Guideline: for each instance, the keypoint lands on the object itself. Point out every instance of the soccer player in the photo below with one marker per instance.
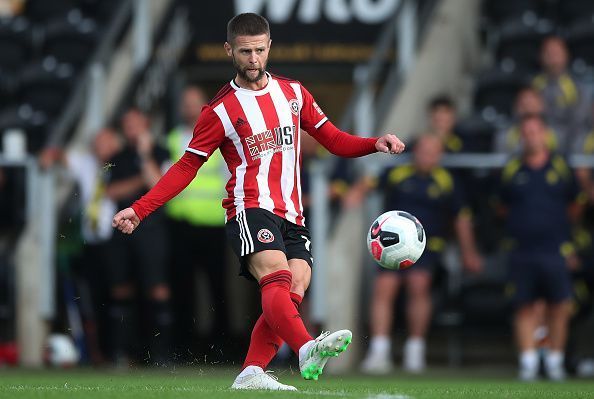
(537, 190)
(255, 120)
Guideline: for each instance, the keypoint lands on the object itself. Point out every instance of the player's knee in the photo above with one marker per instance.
(419, 284)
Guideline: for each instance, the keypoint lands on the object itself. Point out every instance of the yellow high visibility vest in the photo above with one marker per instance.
(200, 203)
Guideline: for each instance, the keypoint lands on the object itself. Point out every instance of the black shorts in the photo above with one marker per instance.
(140, 257)
(254, 230)
(535, 276)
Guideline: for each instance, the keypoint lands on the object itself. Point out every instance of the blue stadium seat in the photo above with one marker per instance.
(16, 42)
(496, 90)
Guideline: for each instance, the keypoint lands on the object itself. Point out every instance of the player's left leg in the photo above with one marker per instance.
(418, 314)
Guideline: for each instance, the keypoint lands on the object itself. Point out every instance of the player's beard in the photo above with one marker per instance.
(242, 72)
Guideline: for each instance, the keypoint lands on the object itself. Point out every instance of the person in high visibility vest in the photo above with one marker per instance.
(197, 228)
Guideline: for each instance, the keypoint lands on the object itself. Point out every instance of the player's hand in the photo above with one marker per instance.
(126, 221)
(390, 144)
(473, 262)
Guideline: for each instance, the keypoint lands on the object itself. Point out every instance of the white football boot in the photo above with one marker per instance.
(554, 366)
(314, 354)
(253, 377)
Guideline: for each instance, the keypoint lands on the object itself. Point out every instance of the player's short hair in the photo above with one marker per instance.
(441, 101)
(247, 24)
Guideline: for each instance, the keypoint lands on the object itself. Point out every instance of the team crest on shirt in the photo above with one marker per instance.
(294, 105)
(265, 236)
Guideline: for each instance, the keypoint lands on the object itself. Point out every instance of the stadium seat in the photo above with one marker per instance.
(499, 11)
(46, 86)
(570, 11)
(71, 40)
(580, 40)
(496, 90)
(476, 133)
(33, 122)
(42, 10)
(100, 10)
(16, 42)
(519, 45)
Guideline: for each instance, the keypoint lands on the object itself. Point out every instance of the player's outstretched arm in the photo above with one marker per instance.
(126, 221)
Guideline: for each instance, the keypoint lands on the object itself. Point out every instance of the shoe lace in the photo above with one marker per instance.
(269, 374)
(323, 335)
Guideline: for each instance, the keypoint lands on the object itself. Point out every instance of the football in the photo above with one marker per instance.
(396, 240)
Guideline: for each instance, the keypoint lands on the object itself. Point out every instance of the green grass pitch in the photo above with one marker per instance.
(214, 383)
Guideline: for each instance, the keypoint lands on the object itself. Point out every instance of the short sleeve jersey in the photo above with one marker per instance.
(434, 198)
(258, 133)
(537, 202)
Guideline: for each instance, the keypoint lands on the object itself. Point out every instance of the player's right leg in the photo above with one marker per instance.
(379, 355)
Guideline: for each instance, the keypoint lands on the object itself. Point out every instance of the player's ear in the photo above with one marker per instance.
(228, 49)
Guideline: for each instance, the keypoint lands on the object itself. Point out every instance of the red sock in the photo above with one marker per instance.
(279, 310)
(264, 343)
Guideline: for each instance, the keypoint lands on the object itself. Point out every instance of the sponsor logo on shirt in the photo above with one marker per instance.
(281, 138)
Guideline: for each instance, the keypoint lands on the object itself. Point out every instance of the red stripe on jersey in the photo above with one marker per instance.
(276, 165)
(250, 184)
(291, 95)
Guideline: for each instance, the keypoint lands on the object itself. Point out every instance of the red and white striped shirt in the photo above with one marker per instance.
(258, 133)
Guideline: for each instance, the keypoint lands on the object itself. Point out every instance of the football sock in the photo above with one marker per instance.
(279, 310)
(161, 319)
(264, 343)
(554, 359)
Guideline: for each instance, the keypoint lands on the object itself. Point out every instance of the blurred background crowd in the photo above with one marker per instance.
(493, 98)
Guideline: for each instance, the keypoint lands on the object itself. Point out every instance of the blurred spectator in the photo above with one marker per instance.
(89, 168)
(537, 190)
(11, 8)
(442, 120)
(197, 231)
(431, 193)
(528, 102)
(566, 101)
(140, 259)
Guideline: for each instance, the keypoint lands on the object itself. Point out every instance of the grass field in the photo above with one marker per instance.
(200, 383)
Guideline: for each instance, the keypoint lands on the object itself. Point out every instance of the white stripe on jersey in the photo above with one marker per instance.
(297, 88)
(288, 171)
(230, 133)
(253, 113)
(197, 152)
